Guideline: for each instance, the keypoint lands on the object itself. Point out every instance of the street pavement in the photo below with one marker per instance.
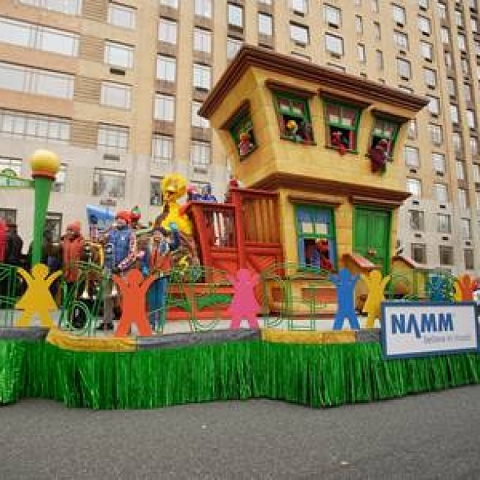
(428, 436)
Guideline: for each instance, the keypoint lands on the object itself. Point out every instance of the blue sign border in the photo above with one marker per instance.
(385, 356)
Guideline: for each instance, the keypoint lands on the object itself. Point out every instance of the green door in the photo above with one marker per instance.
(371, 236)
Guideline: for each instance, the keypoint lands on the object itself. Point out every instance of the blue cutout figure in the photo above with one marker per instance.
(437, 288)
(345, 284)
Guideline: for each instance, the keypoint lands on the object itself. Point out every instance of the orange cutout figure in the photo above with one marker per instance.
(464, 287)
(38, 298)
(133, 289)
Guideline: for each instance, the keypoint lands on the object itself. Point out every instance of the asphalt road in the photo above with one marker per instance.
(420, 437)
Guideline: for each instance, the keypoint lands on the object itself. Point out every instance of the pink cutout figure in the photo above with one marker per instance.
(244, 304)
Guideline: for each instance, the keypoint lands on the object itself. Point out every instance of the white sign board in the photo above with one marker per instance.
(414, 329)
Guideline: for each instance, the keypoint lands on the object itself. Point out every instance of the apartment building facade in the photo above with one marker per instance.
(114, 89)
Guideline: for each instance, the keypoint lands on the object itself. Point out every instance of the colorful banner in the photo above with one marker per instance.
(434, 328)
(99, 218)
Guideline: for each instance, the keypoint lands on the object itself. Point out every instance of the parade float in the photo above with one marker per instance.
(303, 254)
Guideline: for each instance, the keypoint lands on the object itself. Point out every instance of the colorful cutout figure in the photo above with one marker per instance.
(376, 288)
(244, 304)
(437, 289)
(464, 287)
(133, 290)
(37, 299)
(345, 284)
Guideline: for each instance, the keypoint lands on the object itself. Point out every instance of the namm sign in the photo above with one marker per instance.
(421, 329)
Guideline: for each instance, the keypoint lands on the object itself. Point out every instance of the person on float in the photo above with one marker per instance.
(120, 245)
(72, 247)
(14, 245)
(207, 195)
(157, 261)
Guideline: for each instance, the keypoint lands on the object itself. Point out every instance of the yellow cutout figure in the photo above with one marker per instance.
(38, 298)
(376, 287)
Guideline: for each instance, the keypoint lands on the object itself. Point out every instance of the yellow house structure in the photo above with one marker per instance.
(329, 143)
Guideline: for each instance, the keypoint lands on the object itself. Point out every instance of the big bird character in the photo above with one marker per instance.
(174, 186)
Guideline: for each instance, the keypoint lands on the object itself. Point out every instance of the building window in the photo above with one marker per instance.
(299, 6)
(243, 135)
(430, 77)
(265, 24)
(202, 40)
(374, 6)
(412, 132)
(404, 69)
(454, 117)
(385, 129)
(9, 215)
(169, 3)
(108, 183)
(377, 31)
(457, 144)
(167, 31)
(60, 179)
(441, 193)
(162, 149)
(476, 179)
(424, 25)
(233, 46)
(419, 252)
(446, 255)
(416, 220)
(202, 76)
(436, 134)
(333, 44)
(164, 107)
(36, 81)
(156, 191)
(463, 199)
(426, 51)
(467, 92)
(474, 146)
(53, 224)
(200, 156)
(466, 229)
(423, 4)
(379, 59)
(197, 120)
(460, 168)
(166, 68)
(11, 165)
(399, 15)
(121, 15)
(332, 15)
(452, 91)
(293, 116)
(462, 42)
(203, 8)
(24, 125)
(358, 24)
(414, 187)
(444, 224)
(118, 55)
(115, 95)
(342, 125)
(112, 138)
(299, 34)
(362, 56)
(445, 35)
(67, 7)
(434, 105)
(315, 228)
(468, 259)
(411, 156)
(41, 38)
(235, 16)
(401, 40)
(471, 121)
(438, 161)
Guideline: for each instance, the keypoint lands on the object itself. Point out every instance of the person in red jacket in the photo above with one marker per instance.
(72, 250)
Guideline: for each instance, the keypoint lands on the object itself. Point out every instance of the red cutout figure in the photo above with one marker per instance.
(133, 290)
(244, 304)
